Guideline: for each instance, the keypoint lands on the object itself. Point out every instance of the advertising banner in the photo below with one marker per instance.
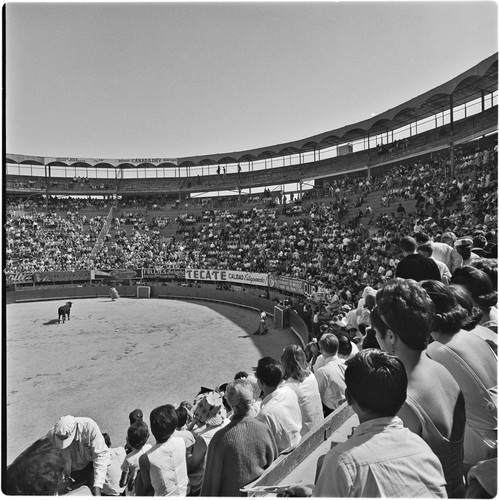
(287, 284)
(119, 274)
(163, 273)
(82, 275)
(291, 285)
(18, 278)
(257, 279)
(113, 162)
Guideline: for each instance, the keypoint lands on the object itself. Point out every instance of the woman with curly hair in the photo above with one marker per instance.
(482, 291)
(41, 469)
(298, 377)
(473, 364)
(464, 299)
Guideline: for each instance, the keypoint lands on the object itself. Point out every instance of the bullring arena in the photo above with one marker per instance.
(113, 357)
(303, 242)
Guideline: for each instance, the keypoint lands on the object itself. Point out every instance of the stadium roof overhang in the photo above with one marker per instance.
(464, 88)
(478, 81)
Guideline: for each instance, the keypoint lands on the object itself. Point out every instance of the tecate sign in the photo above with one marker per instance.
(123, 274)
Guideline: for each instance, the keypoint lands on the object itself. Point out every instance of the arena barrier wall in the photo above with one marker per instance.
(67, 293)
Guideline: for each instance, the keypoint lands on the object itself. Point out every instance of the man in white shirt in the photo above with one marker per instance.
(331, 376)
(280, 409)
(450, 257)
(426, 249)
(382, 458)
(85, 449)
(463, 247)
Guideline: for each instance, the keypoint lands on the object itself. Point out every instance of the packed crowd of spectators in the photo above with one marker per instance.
(307, 240)
(43, 242)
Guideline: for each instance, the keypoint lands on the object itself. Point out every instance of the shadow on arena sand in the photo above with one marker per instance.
(113, 357)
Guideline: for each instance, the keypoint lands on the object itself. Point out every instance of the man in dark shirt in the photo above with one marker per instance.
(413, 265)
(400, 211)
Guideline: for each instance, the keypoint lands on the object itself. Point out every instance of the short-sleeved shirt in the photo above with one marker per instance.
(131, 464)
(112, 482)
(381, 459)
(280, 411)
(331, 381)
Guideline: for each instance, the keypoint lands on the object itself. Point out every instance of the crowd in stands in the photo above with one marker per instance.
(41, 242)
(311, 241)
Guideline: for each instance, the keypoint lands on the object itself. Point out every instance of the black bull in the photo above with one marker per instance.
(64, 311)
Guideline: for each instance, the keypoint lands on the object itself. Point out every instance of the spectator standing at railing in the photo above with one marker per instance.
(280, 409)
(331, 375)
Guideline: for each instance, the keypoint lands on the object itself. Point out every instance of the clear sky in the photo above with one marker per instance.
(128, 80)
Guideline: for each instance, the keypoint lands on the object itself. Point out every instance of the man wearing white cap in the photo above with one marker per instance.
(463, 247)
(83, 444)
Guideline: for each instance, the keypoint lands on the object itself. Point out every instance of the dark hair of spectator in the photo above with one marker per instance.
(449, 315)
(370, 302)
(182, 415)
(268, 371)
(488, 266)
(163, 422)
(138, 434)
(425, 249)
(312, 350)
(378, 323)
(38, 470)
(407, 310)
(463, 298)
(344, 346)
(107, 439)
(478, 283)
(376, 381)
(240, 374)
(329, 344)
(421, 238)
(135, 416)
(408, 244)
(335, 330)
(222, 389)
(369, 341)
(294, 363)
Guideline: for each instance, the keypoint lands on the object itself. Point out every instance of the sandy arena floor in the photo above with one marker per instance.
(113, 357)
